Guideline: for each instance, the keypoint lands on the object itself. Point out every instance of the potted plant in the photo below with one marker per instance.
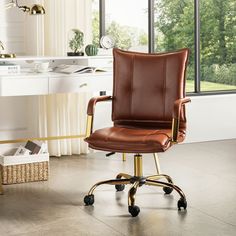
(76, 42)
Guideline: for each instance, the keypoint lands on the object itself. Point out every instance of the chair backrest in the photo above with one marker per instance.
(145, 87)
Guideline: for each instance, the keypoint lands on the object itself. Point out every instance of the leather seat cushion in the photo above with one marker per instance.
(128, 140)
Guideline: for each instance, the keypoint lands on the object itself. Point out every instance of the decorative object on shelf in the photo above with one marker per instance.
(76, 42)
(4, 55)
(10, 4)
(36, 9)
(1, 46)
(11, 55)
(107, 42)
(41, 66)
(91, 50)
(9, 68)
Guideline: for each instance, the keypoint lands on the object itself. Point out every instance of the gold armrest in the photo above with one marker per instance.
(89, 126)
(90, 112)
(176, 117)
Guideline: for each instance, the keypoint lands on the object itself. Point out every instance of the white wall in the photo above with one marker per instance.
(21, 34)
(211, 118)
(61, 17)
(12, 29)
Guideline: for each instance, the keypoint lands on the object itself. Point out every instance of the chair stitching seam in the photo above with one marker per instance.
(164, 89)
(131, 86)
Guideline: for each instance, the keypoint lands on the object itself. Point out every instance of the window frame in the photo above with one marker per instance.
(151, 38)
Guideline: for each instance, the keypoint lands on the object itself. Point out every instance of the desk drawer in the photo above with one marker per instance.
(23, 86)
(68, 85)
(80, 84)
(101, 83)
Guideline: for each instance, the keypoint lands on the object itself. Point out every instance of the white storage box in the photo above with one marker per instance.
(23, 168)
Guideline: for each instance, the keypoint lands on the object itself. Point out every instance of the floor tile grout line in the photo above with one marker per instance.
(81, 209)
(103, 223)
(203, 212)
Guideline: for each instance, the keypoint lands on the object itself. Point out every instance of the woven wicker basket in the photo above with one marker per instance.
(15, 174)
(22, 169)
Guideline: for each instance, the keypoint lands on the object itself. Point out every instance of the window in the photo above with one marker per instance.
(174, 29)
(218, 45)
(207, 27)
(128, 25)
(95, 22)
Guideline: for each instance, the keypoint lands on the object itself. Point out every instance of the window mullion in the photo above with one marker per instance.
(151, 26)
(101, 18)
(197, 46)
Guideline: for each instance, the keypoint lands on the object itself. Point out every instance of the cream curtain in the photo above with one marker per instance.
(64, 114)
(61, 115)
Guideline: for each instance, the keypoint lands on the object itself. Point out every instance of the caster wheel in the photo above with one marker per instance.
(89, 200)
(134, 210)
(167, 190)
(182, 203)
(119, 187)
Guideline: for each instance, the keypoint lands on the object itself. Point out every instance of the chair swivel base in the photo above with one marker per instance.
(136, 181)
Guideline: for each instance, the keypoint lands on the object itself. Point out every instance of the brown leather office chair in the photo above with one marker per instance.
(148, 114)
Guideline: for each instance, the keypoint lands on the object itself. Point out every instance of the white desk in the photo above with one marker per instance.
(30, 83)
(51, 83)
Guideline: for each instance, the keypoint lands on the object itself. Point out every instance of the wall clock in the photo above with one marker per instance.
(107, 42)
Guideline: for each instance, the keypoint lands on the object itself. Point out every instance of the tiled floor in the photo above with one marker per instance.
(205, 171)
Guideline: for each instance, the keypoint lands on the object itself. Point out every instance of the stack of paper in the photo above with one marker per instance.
(7, 68)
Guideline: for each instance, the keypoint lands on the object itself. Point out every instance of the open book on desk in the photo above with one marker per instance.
(79, 69)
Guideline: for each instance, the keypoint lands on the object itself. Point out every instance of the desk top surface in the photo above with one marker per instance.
(50, 58)
(28, 73)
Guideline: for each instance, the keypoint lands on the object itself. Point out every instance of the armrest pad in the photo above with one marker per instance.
(176, 117)
(177, 106)
(93, 101)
